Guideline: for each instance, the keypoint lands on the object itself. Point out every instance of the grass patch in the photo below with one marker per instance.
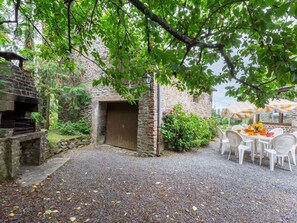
(54, 137)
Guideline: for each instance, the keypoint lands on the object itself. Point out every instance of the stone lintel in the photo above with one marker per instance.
(28, 136)
(6, 105)
(7, 96)
(109, 98)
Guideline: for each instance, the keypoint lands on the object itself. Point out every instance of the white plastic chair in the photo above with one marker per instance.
(264, 144)
(224, 142)
(236, 127)
(236, 141)
(280, 147)
(293, 150)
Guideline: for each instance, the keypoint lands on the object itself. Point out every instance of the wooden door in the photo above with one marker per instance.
(121, 125)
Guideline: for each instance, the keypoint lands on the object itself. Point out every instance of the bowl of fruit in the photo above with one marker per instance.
(249, 129)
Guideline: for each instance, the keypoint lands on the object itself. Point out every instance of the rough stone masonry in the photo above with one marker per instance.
(147, 105)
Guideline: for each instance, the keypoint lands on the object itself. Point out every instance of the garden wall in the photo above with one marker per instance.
(64, 145)
(201, 106)
(286, 128)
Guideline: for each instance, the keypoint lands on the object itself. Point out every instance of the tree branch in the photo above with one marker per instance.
(257, 31)
(232, 70)
(118, 7)
(7, 21)
(68, 24)
(190, 41)
(31, 22)
(16, 15)
(276, 6)
(16, 12)
(93, 11)
(142, 8)
(214, 12)
(200, 55)
(189, 47)
(93, 61)
(267, 82)
(148, 35)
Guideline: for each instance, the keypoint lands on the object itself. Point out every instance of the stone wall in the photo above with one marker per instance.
(93, 72)
(3, 168)
(286, 128)
(64, 145)
(201, 105)
(291, 119)
(25, 149)
(147, 123)
(99, 109)
(17, 82)
(6, 132)
(294, 119)
(29, 154)
(147, 114)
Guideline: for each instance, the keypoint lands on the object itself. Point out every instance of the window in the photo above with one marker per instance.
(287, 118)
(276, 118)
(269, 117)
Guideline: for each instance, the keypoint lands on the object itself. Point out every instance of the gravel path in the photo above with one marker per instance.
(107, 184)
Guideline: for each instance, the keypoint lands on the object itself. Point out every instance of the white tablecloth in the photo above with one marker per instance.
(256, 138)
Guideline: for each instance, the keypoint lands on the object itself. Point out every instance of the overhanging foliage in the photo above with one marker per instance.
(256, 41)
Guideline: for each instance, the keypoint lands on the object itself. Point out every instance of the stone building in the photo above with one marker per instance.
(20, 142)
(116, 122)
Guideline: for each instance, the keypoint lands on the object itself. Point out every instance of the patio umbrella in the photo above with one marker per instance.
(240, 110)
(281, 105)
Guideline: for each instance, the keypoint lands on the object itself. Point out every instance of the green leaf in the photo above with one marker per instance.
(293, 67)
(294, 77)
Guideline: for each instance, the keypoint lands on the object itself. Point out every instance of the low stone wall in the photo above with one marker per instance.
(64, 145)
(286, 128)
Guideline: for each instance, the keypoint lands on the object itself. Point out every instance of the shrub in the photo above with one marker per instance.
(38, 118)
(83, 127)
(182, 131)
(71, 102)
(213, 123)
(67, 128)
(74, 128)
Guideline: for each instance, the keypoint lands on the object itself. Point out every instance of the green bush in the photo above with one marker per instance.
(213, 123)
(83, 127)
(181, 132)
(74, 128)
(71, 101)
(39, 119)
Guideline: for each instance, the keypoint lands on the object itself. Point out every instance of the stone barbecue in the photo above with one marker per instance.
(20, 143)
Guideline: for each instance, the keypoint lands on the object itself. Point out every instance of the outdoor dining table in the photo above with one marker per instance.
(255, 139)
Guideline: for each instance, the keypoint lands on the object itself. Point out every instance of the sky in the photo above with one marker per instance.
(219, 99)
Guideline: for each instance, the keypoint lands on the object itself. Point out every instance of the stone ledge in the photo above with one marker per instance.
(5, 133)
(110, 98)
(64, 145)
(6, 105)
(28, 136)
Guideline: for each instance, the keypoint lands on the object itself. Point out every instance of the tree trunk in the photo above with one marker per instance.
(47, 111)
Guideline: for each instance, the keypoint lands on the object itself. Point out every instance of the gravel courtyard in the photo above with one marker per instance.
(107, 184)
